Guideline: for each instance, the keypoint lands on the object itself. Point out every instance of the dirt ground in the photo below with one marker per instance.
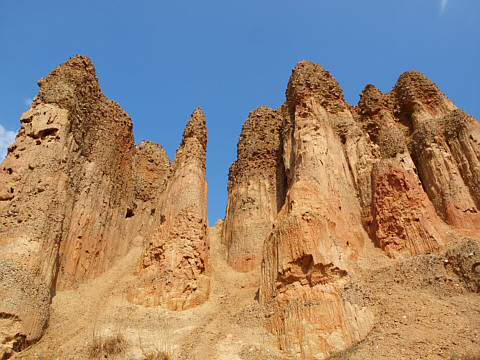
(426, 307)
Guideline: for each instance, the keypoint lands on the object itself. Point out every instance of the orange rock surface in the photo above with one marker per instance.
(320, 189)
(76, 192)
(390, 170)
(174, 269)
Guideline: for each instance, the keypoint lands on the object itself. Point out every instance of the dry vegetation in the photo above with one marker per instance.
(107, 347)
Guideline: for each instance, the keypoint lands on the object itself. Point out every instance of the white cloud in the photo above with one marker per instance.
(28, 102)
(443, 5)
(6, 138)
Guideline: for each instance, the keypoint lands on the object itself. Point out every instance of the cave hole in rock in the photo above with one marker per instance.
(129, 213)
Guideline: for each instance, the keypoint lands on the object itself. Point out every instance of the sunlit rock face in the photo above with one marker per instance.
(76, 194)
(175, 269)
(256, 189)
(316, 185)
(66, 184)
(325, 177)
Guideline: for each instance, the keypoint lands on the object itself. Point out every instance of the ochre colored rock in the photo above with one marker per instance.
(175, 268)
(256, 189)
(316, 185)
(68, 180)
(405, 219)
(76, 192)
(388, 170)
(152, 168)
(446, 152)
(319, 229)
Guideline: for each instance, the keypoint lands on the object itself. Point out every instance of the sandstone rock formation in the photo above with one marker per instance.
(331, 177)
(318, 230)
(75, 192)
(175, 267)
(317, 185)
(256, 188)
(405, 219)
(67, 176)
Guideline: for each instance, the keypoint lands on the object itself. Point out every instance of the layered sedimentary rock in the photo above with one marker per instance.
(175, 268)
(75, 192)
(390, 170)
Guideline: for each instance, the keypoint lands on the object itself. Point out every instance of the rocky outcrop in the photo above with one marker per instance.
(405, 219)
(24, 301)
(319, 230)
(152, 168)
(68, 180)
(256, 189)
(75, 193)
(316, 185)
(175, 268)
(446, 151)
(390, 170)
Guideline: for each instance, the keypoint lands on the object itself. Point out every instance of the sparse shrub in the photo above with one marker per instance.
(102, 347)
(157, 355)
(343, 355)
(160, 349)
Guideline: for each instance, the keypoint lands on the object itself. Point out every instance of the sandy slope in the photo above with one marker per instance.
(229, 323)
(422, 311)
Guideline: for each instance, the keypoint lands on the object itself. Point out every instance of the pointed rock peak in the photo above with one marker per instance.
(413, 85)
(371, 100)
(419, 97)
(73, 80)
(260, 134)
(145, 144)
(152, 149)
(194, 141)
(196, 128)
(262, 110)
(306, 67)
(411, 77)
(311, 79)
(370, 91)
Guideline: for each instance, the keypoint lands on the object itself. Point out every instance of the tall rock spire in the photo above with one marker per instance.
(174, 270)
(68, 177)
(76, 195)
(256, 186)
(388, 170)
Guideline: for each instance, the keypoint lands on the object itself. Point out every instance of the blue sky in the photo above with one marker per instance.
(160, 60)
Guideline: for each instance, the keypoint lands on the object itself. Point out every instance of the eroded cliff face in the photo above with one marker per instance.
(174, 269)
(67, 180)
(417, 119)
(391, 170)
(316, 185)
(76, 192)
(319, 230)
(256, 188)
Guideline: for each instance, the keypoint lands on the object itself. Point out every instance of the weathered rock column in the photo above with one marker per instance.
(174, 270)
(256, 189)
(65, 187)
(318, 231)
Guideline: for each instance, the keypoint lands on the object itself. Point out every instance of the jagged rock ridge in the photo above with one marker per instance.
(331, 178)
(76, 194)
(316, 185)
